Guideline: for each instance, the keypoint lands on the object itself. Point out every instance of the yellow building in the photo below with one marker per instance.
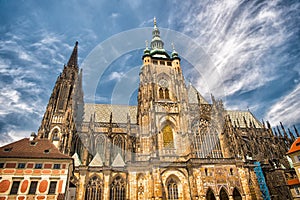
(34, 169)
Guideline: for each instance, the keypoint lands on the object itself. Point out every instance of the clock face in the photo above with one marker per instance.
(163, 83)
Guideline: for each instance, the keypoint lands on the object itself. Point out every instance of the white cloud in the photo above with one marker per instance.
(10, 102)
(286, 110)
(114, 15)
(238, 39)
(116, 76)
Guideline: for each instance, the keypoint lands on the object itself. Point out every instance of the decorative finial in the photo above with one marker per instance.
(173, 46)
(146, 41)
(154, 21)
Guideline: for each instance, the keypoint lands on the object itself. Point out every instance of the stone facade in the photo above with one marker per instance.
(173, 145)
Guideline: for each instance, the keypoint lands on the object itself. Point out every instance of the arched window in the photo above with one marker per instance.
(210, 195)
(118, 145)
(100, 146)
(236, 195)
(223, 194)
(164, 93)
(94, 189)
(168, 137)
(206, 173)
(63, 96)
(117, 189)
(206, 141)
(55, 135)
(172, 189)
(167, 93)
(161, 93)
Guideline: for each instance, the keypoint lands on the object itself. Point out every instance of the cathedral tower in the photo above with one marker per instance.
(162, 103)
(59, 121)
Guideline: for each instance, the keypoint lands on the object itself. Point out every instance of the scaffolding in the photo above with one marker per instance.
(261, 181)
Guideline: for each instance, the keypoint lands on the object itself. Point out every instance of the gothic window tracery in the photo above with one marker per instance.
(62, 97)
(164, 93)
(117, 189)
(172, 189)
(94, 189)
(55, 134)
(168, 140)
(205, 140)
(100, 146)
(118, 145)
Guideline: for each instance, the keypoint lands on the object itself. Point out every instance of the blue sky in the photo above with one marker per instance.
(253, 45)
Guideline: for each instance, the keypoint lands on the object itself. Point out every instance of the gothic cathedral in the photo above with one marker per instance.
(173, 145)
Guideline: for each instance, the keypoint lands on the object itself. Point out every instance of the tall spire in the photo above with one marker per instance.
(156, 42)
(73, 57)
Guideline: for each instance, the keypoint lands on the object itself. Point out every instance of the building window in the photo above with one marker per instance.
(10, 165)
(231, 171)
(21, 165)
(56, 166)
(155, 62)
(210, 195)
(101, 146)
(172, 189)
(168, 137)
(55, 135)
(94, 189)
(15, 187)
(297, 191)
(52, 188)
(32, 188)
(117, 189)
(164, 93)
(167, 93)
(38, 166)
(1, 165)
(223, 194)
(118, 146)
(161, 93)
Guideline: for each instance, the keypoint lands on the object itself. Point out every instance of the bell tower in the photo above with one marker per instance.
(162, 103)
(59, 121)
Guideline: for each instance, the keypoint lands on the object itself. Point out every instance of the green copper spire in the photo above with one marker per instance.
(156, 42)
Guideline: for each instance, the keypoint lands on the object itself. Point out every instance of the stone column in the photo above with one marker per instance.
(82, 183)
(106, 184)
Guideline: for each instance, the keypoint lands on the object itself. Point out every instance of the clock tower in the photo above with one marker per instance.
(162, 104)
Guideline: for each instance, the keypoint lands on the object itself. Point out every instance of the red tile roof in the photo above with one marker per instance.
(37, 148)
(295, 146)
(293, 181)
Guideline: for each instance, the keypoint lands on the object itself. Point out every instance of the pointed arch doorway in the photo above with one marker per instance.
(210, 195)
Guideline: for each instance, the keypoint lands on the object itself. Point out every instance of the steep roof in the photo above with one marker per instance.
(239, 117)
(194, 95)
(103, 111)
(295, 146)
(37, 148)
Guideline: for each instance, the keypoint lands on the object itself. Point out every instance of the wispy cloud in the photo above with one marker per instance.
(251, 44)
(286, 110)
